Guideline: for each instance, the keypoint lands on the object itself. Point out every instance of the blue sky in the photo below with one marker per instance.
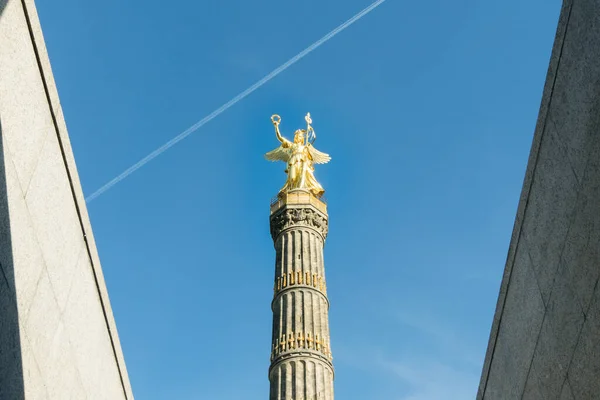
(427, 109)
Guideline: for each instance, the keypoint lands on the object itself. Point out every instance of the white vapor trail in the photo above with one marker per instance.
(231, 102)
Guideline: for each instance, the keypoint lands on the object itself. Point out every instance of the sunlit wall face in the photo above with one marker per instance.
(58, 338)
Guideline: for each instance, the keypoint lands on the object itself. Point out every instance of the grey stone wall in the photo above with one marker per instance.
(545, 338)
(58, 338)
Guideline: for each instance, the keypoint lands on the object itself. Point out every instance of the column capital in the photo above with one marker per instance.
(290, 216)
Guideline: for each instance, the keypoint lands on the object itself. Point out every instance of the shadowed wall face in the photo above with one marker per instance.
(11, 366)
(545, 339)
(57, 333)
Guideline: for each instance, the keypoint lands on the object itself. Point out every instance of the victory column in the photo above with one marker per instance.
(301, 363)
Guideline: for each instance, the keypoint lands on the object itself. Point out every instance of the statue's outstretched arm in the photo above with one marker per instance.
(276, 119)
(278, 133)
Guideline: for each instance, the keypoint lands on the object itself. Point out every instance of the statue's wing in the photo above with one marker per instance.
(317, 156)
(279, 154)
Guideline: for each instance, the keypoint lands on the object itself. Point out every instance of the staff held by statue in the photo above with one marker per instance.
(311, 135)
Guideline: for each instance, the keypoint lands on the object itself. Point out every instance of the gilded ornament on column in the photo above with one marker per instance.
(282, 343)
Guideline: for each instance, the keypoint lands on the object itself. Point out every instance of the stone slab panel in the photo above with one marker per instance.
(550, 209)
(574, 107)
(24, 252)
(566, 393)
(54, 219)
(560, 331)
(86, 328)
(42, 322)
(58, 368)
(582, 248)
(519, 329)
(44, 59)
(584, 372)
(32, 377)
(50, 344)
(26, 120)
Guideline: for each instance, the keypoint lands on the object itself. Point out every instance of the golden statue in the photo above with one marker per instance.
(300, 155)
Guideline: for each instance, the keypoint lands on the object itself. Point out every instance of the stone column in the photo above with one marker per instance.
(301, 367)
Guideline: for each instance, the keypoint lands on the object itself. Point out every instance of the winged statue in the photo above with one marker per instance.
(300, 156)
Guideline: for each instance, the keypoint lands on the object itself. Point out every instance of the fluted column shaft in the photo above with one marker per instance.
(301, 367)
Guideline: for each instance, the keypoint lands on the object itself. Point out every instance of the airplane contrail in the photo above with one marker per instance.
(231, 102)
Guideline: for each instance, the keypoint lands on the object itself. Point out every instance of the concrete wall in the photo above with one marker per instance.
(545, 338)
(58, 338)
